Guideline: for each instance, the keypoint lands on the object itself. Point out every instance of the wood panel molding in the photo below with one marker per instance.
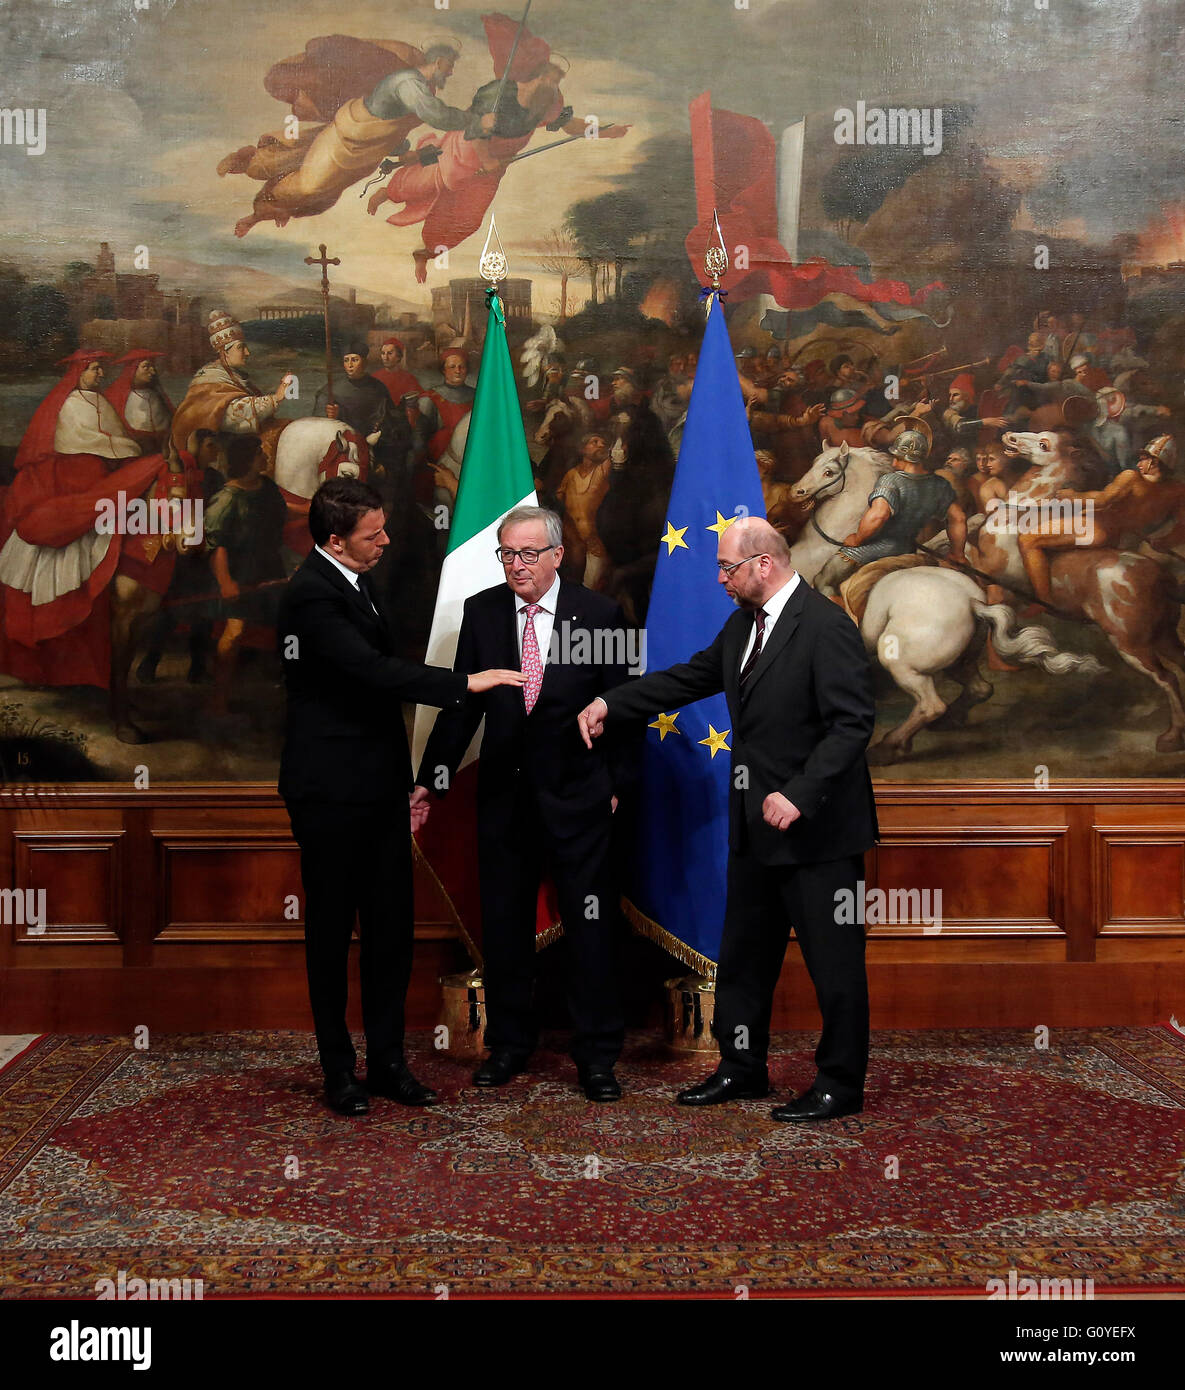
(228, 887)
(1062, 905)
(79, 872)
(1140, 881)
(994, 880)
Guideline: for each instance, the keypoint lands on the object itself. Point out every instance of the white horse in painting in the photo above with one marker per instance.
(312, 449)
(922, 622)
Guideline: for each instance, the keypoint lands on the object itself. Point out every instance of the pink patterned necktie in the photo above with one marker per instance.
(532, 665)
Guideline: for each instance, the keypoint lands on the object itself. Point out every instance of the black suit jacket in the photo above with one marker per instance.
(801, 730)
(344, 738)
(544, 746)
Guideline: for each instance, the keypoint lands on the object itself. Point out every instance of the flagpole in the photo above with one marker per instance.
(677, 886)
(691, 999)
(495, 478)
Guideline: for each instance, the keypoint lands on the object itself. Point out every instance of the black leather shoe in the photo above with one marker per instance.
(395, 1081)
(817, 1105)
(599, 1083)
(717, 1089)
(345, 1094)
(498, 1068)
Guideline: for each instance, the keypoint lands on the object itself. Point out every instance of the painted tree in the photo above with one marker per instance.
(602, 230)
(560, 257)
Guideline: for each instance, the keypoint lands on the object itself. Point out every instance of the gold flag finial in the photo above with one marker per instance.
(493, 264)
(716, 257)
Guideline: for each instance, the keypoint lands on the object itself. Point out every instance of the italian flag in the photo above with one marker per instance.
(495, 477)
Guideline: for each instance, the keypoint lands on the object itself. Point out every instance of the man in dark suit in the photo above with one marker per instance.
(801, 813)
(345, 776)
(544, 801)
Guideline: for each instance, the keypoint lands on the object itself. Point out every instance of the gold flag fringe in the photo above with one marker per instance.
(647, 927)
(548, 935)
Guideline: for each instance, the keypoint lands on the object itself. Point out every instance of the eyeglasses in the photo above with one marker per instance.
(728, 569)
(528, 557)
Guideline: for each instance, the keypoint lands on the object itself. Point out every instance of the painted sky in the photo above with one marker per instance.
(1079, 103)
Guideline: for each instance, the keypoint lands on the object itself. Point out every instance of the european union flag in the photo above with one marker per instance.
(678, 890)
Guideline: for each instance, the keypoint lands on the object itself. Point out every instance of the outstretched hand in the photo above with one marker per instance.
(592, 721)
(481, 681)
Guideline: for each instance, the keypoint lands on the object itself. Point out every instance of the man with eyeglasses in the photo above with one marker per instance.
(801, 814)
(544, 800)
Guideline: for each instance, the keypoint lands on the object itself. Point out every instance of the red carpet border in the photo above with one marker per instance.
(212, 1157)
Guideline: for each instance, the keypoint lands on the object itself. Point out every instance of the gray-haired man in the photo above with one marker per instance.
(545, 802)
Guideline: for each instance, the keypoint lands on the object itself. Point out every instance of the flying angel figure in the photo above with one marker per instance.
(356, 102)
(452, 188)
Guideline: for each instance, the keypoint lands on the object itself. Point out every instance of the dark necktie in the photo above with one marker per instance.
(747, 668)
(365, 590)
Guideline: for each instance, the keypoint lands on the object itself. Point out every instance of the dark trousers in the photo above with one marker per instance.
(355, 863)
(764, 904)
(515, 848)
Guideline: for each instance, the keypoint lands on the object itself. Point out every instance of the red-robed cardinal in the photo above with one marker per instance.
(140, 400)
(55, 565)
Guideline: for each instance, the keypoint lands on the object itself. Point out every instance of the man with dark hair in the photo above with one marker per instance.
(365, 404)
(402, 386)
(843, 371)
(345, 776)
(244, 539)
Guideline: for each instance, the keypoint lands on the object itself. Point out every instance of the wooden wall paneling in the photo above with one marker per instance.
(77, 860)
(214, 888)
(995, 880)
(1139, 860)
(1064, 906)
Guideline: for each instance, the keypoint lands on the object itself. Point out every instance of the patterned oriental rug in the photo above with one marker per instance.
(213, 1157)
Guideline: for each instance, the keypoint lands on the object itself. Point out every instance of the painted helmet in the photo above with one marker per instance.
(1164, 450)
(910, 445)
(844, 400)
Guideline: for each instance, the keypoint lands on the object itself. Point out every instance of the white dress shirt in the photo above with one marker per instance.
(773, 608)
(351, 575)
(544, 620)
